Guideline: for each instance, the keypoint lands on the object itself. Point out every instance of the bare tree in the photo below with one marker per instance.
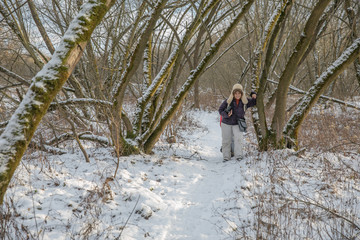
(291, 130)
(284, 132)
(353, 26)
(152, 139)
(45, 85)
(287, 75)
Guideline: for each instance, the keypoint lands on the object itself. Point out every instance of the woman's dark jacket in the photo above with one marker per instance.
(237, 111)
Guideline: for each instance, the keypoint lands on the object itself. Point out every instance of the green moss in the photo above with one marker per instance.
(129, 149)
(263, 144)
(83, 21)
(38, 90)
(69, 44)
(274, 143)
(62, 68)
(130, 135)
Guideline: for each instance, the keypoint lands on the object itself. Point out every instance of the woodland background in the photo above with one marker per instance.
(136, 67)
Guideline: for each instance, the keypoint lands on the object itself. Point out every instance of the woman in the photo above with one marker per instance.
(231, 110)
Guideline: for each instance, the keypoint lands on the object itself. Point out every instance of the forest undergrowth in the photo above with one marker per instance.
(312, 193)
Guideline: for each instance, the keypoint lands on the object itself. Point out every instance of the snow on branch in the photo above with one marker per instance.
(83, 136)
(46, 148)
(14, 76)
(319, 86)
(298, 90)
(82, 101)
(44, 87)
(77, 101)
(95, 138)
(194, 75)
(3, 124)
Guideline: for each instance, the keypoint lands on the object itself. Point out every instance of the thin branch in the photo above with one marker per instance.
(226, 50)
(322, 96)
(332, 211)
(13, 11)
(14, 76)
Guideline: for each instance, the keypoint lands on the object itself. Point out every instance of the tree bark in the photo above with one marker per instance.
(14, 76)
(352, 22)
(40, 26)
(287, 75)
(45, 85)
(259, 84)
(21, 34)
(197, 54)
(132, 66)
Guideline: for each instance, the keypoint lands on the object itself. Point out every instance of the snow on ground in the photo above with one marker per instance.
(185, 191)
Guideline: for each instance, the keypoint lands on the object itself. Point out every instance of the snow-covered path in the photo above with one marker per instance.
(182, 191)
(192, 206)
(194, 188)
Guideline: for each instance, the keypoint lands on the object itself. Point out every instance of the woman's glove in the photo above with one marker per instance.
(253, 94)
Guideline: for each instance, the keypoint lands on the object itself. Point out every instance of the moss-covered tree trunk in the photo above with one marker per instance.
(134, 62)
(45, 85)
(171, 68)
(291, 67)
(150, 142)
(320, 85)
(259, 83)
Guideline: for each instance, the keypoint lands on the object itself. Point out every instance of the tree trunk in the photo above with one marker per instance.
(258, 114)
(45, 85)
(20, 32)
(132, 66)
(290, 70)
(40, 26)
(321, 27)
(172, 65)
(197, 54)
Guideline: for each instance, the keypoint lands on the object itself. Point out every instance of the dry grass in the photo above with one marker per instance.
(312, 197)
(331, 129)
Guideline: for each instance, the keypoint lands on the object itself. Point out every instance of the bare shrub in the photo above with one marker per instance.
(330, 128)
(313, 197)
(10, 227)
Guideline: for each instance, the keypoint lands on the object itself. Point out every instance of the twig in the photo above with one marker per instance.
(79, 143)
(226, 50)
(127, 220)
(299, 152)
(333, 147)
(76, 137)
(349, 167)
(117, 163)
(324, 208)
(34, 212)
(14, 85)
(322, 96)
(8, 14)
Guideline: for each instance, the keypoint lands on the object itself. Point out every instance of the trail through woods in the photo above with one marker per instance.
(184, 191)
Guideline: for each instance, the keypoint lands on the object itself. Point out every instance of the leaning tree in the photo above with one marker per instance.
(44, 87)
(283, 131)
